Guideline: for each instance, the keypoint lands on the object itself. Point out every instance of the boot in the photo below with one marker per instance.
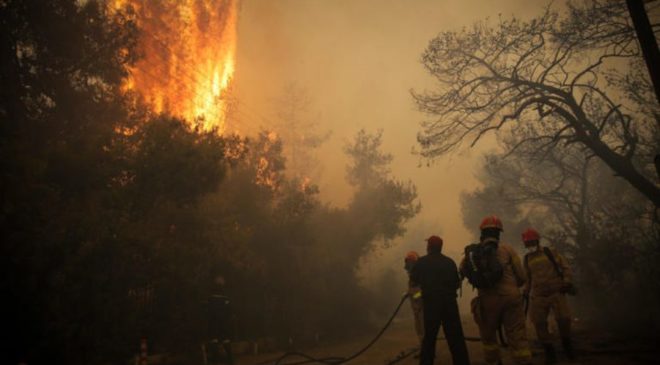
(550, 355)
(229, 357)
(568, 348)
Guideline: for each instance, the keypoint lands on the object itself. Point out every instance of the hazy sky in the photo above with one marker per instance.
(358, 59)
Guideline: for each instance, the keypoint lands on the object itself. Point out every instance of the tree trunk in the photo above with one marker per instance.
(647, 41)
(649, 47)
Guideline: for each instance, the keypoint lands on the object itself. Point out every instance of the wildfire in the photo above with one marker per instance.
(187, 59)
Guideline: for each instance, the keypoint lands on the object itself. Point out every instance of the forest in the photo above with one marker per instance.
(119, 219)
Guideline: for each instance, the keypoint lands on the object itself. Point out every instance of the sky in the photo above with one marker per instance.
(358, 61)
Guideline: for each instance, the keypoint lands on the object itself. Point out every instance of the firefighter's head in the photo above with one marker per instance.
(490, 227)
(410, 260)
(531, 239)
(434, 244)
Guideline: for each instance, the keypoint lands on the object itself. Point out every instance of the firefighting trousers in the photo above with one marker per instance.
(492, 311)
(418, 313)
(444, 313)
(539, 310)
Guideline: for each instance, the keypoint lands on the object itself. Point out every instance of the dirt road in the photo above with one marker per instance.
(594, 348)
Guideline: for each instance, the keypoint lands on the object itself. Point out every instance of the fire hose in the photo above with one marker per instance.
(334, 360)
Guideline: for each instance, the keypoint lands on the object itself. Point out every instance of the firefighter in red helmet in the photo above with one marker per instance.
(415, 295)
(549, 279)
(495, 269)
(491, 221)
(437, 275)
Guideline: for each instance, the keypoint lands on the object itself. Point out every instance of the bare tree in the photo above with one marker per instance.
(598, 220)
(556, 186)
(554, 80)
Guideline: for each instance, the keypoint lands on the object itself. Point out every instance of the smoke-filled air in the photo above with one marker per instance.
(291, 182)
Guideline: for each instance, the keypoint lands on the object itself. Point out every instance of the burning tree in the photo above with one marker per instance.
(555, 80)
(187, 57)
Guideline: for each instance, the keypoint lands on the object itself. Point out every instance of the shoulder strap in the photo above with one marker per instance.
(551, 257)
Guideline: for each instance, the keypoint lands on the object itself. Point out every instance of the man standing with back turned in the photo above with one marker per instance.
(494, 268)
(438, 278)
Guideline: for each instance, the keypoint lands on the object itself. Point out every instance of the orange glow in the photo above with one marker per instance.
(187, 50)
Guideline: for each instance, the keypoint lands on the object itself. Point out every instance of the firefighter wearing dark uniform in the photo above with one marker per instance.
(218, 313)
(438, 278)
(549, 279)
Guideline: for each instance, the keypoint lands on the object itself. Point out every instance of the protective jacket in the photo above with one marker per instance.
(501, 305)
(542, 277)
(415, 295)
(513, 276)
(545, 283)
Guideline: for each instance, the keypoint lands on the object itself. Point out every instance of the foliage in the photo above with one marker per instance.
(116, 223)
(554, 80)
(59, 108)
(382, 204)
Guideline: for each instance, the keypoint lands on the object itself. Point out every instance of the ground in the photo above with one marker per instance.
(593, 348)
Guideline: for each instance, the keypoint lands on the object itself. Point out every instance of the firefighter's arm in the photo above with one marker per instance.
(565, 268)
(459, 278)
(461, 269)
(567, 275)
(414, 290)
(518, 271)
(414, 276)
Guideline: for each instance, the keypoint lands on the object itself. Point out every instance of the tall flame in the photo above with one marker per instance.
(187, 50)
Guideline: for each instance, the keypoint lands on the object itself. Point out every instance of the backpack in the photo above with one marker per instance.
(482, 268)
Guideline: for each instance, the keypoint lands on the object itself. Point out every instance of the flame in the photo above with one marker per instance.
(188, 50)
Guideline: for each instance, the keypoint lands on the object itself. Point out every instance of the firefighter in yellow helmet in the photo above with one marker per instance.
(415, 295)
(549, 279)
(495, 269)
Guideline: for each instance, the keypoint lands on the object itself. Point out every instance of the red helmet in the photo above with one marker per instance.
(411, 256)
(434, 241)
(491, 222)
(530, 234)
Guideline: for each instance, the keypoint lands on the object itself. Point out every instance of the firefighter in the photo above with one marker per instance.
(548, 281)
(437, 276)
(415, 295)
(218, 334)
(500, 303)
